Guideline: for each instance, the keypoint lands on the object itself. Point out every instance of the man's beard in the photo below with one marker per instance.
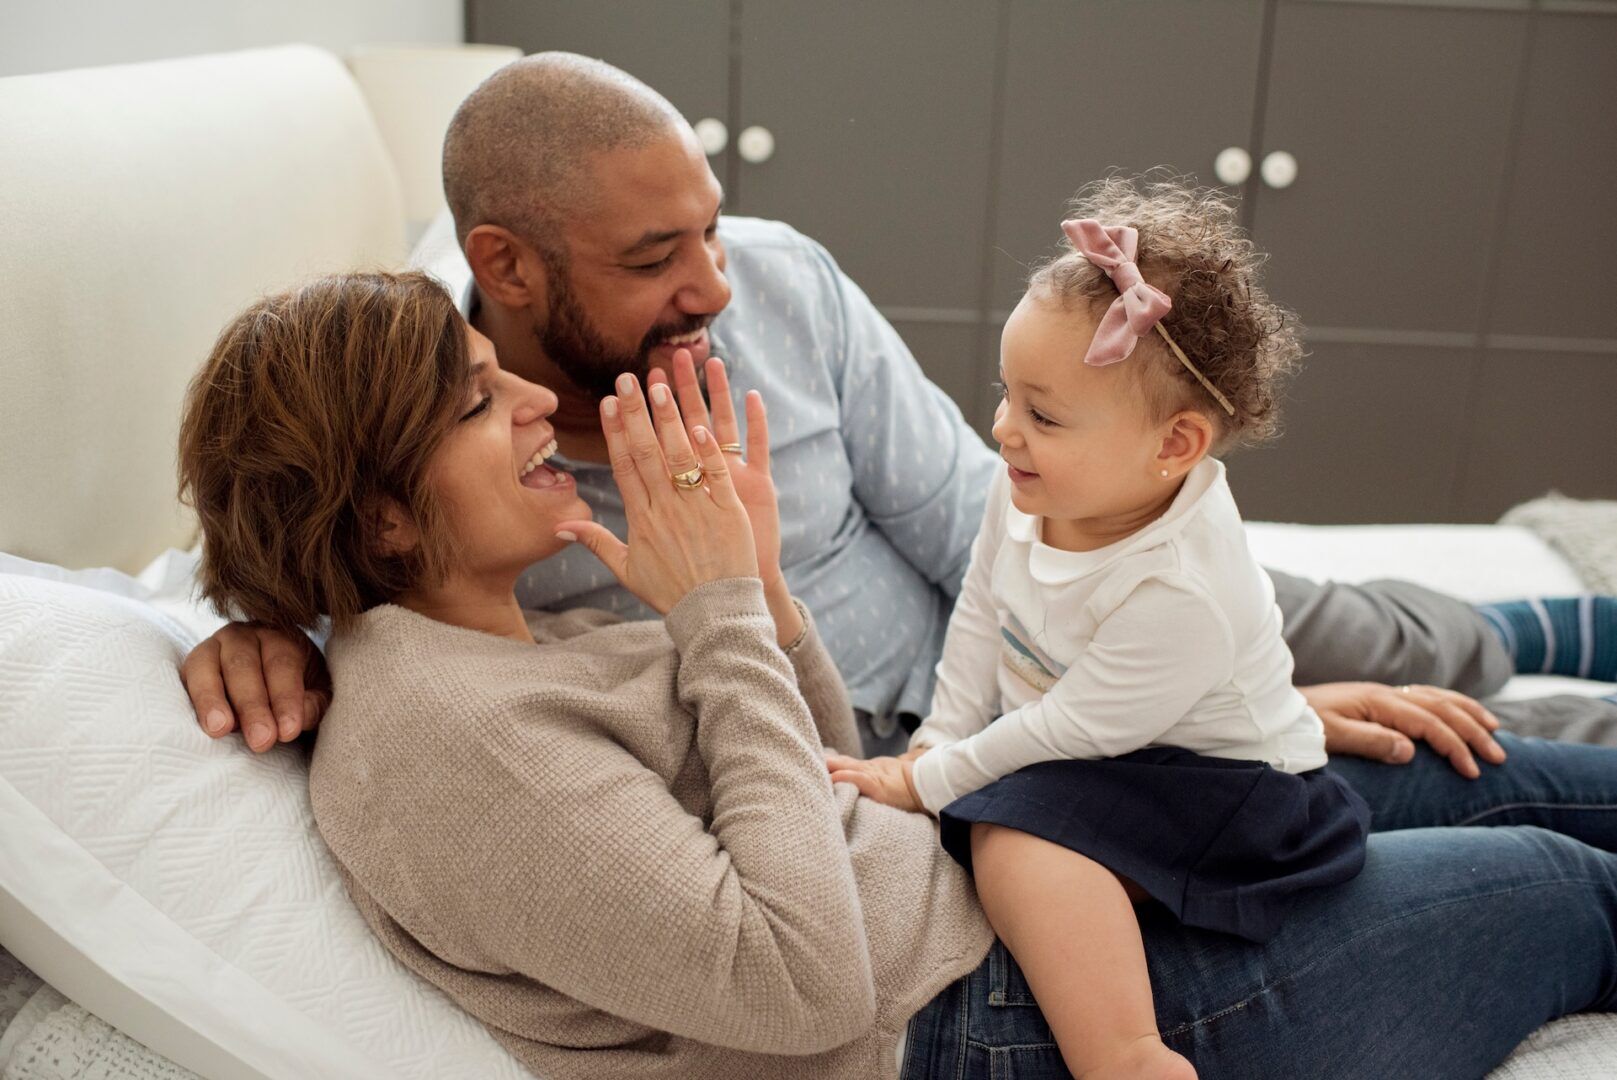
(571, 342)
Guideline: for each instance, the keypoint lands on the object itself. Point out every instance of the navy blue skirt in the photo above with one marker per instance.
(1226, 845)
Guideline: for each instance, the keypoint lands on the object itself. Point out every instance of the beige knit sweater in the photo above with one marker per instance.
(621, 851)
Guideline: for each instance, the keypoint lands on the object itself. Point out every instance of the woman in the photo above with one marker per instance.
(617, 844)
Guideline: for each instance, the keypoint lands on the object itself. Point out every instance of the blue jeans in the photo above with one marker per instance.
(1436, 961)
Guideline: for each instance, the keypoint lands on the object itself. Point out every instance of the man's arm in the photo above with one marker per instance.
(271, 685)
(920, 472)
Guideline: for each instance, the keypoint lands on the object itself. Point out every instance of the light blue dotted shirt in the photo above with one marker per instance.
(881, 482)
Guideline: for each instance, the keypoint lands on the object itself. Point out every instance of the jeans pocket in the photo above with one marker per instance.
(1007, 986)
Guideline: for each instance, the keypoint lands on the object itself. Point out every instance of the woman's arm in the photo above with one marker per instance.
(744, 931)
(819, 681)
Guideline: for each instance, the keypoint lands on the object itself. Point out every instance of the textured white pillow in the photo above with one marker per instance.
(176, 885)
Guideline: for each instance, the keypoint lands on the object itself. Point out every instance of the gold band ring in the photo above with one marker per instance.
(689, 480)
(730, 448)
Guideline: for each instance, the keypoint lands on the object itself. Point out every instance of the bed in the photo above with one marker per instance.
(166, 907)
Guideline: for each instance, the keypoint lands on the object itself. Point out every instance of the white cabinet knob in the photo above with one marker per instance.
(712, 134)
(1279, 169)
(756, 145)
(1232, 166)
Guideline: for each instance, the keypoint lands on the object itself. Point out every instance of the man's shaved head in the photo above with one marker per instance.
(517, 152)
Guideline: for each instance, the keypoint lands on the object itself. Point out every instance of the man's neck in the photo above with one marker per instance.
(577, 419)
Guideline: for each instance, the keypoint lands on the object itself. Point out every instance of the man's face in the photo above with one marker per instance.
(644, 269)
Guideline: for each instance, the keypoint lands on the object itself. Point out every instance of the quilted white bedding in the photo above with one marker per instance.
(175, 886)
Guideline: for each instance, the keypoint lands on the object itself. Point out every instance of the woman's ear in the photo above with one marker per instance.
(395, 533)
(1189, 438)
(509, 272)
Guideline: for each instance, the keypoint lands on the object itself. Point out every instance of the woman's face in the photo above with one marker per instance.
(501, 503)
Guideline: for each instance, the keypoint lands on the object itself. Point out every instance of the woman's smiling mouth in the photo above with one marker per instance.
(539, 476)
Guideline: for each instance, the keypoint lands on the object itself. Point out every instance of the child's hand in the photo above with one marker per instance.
(885, 779)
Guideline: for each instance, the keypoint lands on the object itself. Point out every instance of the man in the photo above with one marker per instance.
(591, 228)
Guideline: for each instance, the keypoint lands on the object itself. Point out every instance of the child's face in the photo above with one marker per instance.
(1078, 439)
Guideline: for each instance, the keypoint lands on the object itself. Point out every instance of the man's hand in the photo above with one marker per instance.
(274, 687)
(1379, 722)
(885, 779)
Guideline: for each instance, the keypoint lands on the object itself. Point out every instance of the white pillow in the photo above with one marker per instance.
(175, 885)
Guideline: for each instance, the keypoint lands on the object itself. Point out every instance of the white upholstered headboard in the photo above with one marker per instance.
(140, 207)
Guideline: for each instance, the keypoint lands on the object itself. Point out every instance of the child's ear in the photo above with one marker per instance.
(394, 532)
(509, 271)
(1189, 438)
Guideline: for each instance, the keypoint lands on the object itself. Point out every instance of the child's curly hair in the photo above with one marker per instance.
(1191, 248)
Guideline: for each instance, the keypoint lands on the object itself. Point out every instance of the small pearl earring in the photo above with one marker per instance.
(1164, 474)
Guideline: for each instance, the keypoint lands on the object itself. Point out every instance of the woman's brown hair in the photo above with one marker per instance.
(317, 408)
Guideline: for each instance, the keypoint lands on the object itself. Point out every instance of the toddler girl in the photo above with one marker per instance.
(1114, 717)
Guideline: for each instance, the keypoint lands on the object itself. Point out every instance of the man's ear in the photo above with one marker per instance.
(508, 270)
(1189, 437)
(395, 533)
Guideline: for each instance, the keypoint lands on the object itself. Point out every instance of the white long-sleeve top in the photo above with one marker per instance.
(1170, 637)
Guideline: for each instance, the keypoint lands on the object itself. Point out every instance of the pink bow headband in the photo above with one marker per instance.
(1139, 306)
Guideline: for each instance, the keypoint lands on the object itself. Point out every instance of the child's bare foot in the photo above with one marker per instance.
(1146, 1058)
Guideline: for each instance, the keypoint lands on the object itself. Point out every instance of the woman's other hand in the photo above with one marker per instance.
(679, 537)
(1378, 722)
(885, 779)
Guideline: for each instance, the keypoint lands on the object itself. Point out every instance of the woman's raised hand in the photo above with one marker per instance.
(679, 536)
(749, 474)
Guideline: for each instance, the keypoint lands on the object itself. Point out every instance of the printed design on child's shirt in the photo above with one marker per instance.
(1026, 660)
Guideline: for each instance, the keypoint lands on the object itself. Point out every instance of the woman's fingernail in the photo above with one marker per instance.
(659, 393)
(609, 406)
(625, 383)
(570, 537)
(701, 436)
(289, 727)
(216, 722)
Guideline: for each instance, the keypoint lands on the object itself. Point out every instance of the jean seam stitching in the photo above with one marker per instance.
(993, 1049)
(1507, 807)
(1292, 976)
(963, 1030)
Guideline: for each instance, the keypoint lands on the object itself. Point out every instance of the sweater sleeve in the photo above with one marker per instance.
(745, 932)
(1163, 648)
(822, 688)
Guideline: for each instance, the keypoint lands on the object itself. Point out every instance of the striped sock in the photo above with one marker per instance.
(1565, 635)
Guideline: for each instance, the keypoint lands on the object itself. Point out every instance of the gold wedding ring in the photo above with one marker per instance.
(730, 448)
(689, 480)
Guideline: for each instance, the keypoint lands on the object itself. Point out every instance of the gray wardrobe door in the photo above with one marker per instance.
(682, 50)
(1560, 230)
(881, 118)
(1398, 119)
(1543, 422)
(1372, 434)
(1093, 85)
